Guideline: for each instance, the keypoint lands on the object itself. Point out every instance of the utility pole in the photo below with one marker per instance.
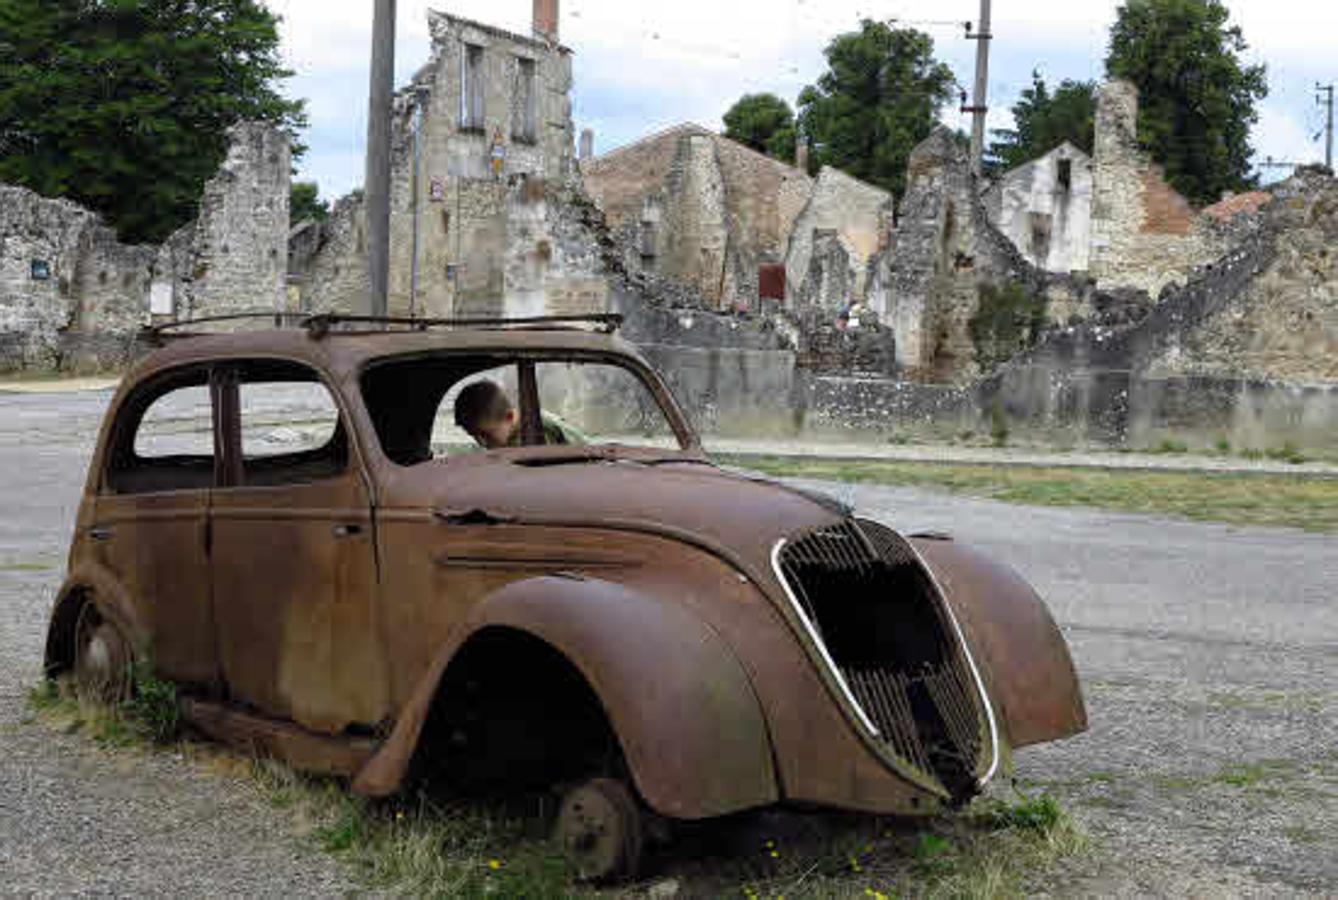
(378, 158)
(1327, 102)
(980, 99)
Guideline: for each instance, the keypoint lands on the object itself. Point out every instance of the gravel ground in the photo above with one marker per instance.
(1209, 655)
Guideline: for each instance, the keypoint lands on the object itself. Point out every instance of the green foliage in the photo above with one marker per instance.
(1008, 320)
(764, 122)
(1196, 96)
(879, 98)
(304, 203)
(1043, 120)
(1042, 814)
(1170, 446)
(124, 105)
(152, 705)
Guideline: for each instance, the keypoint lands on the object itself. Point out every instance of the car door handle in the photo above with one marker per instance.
(100, 533)
(347, 531)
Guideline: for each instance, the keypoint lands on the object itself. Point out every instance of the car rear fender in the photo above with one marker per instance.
(96, 583)
(1025, 661)
(685, 714)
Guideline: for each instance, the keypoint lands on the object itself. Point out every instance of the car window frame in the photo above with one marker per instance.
(689, 442)
(231, 460)
(129, 418)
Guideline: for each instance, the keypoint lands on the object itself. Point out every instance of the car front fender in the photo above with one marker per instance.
(1026, 663)
(685, 714)
(89, 581)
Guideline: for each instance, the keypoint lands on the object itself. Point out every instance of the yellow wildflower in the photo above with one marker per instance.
(494, 864)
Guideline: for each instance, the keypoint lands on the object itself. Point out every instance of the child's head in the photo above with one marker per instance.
(484, 411)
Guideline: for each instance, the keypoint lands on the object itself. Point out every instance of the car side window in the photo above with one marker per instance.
(165, 438)
(291, 431)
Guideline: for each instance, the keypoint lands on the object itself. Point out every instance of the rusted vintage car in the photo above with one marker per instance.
(287, 523)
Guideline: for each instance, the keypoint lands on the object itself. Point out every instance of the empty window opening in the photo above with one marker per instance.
(526, 120)
(1065, 175)
(290, 427)
(471, 88)
(165, 437)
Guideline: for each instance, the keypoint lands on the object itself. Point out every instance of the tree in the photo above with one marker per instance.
(764, 122)
(1043, 121)
(124, 105)
(304, 203)
(879, 98)
(1196, 97)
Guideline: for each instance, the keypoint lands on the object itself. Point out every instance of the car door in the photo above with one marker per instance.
(151, 515)
(293, 561)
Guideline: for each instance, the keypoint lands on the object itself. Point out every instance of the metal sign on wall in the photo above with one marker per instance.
(41, 270)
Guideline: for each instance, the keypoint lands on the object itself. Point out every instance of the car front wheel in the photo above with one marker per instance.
(102, 658)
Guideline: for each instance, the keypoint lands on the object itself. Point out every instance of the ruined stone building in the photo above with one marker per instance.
(736, 225)
(1111, 217)
(1045, 208)
(73, 296)
(483, 162)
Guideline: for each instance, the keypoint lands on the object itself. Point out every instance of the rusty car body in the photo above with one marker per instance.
(374, 609)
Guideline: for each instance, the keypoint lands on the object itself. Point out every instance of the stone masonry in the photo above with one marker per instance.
(1144, 234)
(691, 205)
(843, 226)
(72, 296)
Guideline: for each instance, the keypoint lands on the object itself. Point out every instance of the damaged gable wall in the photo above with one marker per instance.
(843, 226)
(691, 205)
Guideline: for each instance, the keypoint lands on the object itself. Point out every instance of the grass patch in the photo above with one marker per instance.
(149, 716)
(419, 847)
(1298, 501)
(993, 849)
(27, 566)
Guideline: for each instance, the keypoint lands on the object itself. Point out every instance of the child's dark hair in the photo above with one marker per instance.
(482, 401)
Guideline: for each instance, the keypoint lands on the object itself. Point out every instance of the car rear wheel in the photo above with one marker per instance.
(101, 658)
(601, 831)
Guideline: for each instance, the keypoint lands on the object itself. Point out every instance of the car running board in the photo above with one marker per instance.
(304, 750)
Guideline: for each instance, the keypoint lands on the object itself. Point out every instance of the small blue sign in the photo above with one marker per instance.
(41, 270)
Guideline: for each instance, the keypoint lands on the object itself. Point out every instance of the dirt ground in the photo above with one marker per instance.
(1209, 656)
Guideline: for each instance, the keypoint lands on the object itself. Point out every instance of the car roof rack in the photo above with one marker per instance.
(320, 325)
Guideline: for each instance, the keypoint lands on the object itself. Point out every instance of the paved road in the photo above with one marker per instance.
(1209, 656)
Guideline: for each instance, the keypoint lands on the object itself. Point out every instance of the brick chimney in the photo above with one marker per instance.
(546, 14)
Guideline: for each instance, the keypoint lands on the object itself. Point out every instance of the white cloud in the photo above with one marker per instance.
(642, 66)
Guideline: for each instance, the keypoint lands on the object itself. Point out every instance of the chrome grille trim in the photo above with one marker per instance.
(908, 745)
(818, 642)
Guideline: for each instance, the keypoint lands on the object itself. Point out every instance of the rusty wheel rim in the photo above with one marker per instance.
(599, 829)
(102, 658)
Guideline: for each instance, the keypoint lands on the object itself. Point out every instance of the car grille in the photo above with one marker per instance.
(881, 623)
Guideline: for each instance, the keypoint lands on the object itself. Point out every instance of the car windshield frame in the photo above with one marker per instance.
(689, 443)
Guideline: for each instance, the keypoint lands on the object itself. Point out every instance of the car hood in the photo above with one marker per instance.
(694, 500)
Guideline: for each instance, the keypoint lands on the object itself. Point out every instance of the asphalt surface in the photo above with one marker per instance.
(1209, 656)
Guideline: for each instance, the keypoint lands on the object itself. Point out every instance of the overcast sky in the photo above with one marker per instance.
(644, 66)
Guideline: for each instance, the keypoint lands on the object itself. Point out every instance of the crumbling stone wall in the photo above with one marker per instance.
(926, 283)
(63, 273)
(692, 205)
(234, 257)
(843, 217)
(1244, 351)
(1144, 234)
